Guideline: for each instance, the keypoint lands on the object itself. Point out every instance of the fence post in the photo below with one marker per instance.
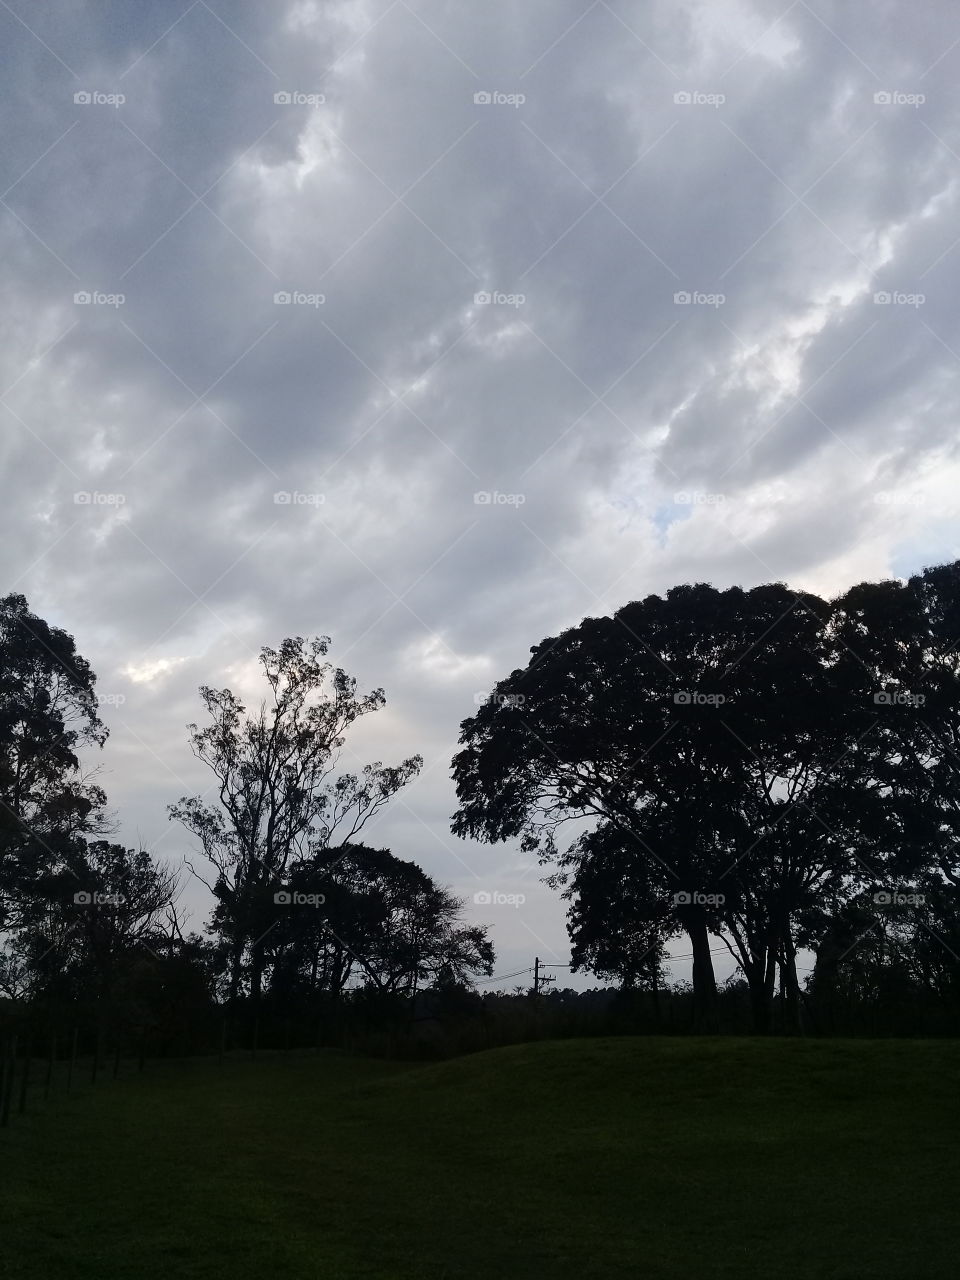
(73, 1058)
(97, 1047)
(25, 1075)
(9, 1073)
(5, 1054)
(50, 1065)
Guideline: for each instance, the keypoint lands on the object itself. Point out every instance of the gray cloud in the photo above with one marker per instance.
(797, 399)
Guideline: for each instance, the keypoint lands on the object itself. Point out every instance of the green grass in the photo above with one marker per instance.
(649, 1158)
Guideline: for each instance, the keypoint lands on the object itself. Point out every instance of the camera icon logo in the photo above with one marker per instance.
(683, 98)
(282, 498)
(482, 99)
(883, 98)
(483, 898)
(481, 299)
(282, 898)
(82, 898)
(282, 299)
(682, 298)
(82, 98)
(282, 99)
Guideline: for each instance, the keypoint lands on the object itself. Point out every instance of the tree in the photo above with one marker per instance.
(905, 639)
(621, 916)
(610, 721)
(279, 796)
(358, 913)
(79, 943)
(706, 732)
(48, 714)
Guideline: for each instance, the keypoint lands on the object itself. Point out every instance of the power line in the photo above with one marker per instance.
(538, 964)
(715, 951)
(502, 977)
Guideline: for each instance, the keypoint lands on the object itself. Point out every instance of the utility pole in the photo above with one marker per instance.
(539, 981)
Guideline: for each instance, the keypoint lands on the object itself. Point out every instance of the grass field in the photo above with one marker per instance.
(647, 1158)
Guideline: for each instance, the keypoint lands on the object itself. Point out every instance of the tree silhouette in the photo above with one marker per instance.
(279, 796)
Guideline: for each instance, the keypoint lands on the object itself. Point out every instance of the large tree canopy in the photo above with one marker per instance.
(715, 742)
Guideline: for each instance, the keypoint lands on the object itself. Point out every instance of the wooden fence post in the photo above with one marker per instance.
(25, 1075)
(73, 1058)
(8, 1082)
(97, 1047)
(51, 1061)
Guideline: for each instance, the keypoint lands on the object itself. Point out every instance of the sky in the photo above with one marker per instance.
(435, 328)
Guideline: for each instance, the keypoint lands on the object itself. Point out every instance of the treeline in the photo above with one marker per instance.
(312, 932)
(763, 773)
(763, 769)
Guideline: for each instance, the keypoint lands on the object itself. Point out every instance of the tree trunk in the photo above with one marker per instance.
(791, 986)
(256, 975)
(770, 982)
(705, 1012)
(233, 991)
(759, 999)
(236, 956)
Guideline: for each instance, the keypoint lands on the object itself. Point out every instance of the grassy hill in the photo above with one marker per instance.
(652, 1158)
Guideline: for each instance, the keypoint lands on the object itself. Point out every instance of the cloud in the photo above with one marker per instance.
(770, 166)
